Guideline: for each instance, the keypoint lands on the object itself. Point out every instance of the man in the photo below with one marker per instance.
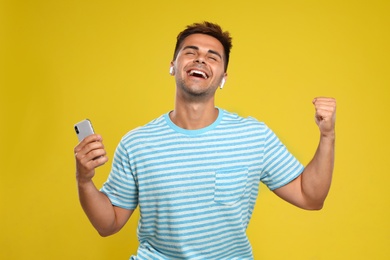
(195, 172)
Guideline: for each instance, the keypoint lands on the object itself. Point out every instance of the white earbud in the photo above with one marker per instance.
(171, 70)
(222, 83)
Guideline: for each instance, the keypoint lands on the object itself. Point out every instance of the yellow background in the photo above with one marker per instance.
(63, 61)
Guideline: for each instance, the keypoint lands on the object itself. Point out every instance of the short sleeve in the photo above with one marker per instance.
(280, 167)
(121, 185)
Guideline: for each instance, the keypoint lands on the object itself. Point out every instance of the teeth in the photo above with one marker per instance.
(192, 72)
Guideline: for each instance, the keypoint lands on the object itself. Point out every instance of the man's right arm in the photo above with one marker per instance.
(106, 218)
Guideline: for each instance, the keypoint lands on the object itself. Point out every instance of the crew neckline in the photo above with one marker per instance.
(193, 132)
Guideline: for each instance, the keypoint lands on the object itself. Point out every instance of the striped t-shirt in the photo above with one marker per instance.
(196, 189)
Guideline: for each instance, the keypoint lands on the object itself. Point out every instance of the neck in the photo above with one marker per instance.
(194, 116)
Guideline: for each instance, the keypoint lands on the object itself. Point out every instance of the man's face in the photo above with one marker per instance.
(199, 65)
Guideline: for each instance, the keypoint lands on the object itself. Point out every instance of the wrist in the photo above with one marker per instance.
(329, 137)
(83, 181)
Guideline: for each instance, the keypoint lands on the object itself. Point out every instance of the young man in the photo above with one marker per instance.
(195, 172)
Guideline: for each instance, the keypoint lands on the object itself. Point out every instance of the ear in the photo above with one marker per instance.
(223, 81)
(172, 69)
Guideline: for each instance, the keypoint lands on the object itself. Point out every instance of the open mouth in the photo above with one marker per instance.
(197, 73)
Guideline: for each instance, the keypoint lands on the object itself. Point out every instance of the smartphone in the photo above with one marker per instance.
(83, 129)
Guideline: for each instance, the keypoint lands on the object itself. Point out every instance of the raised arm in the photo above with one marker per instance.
(106, 218)
(311, 188)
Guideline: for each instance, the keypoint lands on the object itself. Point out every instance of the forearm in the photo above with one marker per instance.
(317, 176)
(98, 208)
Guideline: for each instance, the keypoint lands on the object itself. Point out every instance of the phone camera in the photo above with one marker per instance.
(76, 129)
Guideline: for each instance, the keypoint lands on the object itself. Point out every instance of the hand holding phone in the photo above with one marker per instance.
(90, 153)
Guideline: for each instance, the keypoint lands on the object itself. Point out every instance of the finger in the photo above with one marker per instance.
(325, 110)
(321, 101)
(99, 161)
(93, 146)
(90, 152)
(90, 165)
(325, 104)
(89, 139)
(90, 161)
(324, 99)
(94, 154)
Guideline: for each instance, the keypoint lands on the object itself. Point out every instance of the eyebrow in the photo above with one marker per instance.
(197, 48)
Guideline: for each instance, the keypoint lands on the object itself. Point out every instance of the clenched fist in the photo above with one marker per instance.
(325, 115)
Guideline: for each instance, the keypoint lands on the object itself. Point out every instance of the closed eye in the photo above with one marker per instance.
(214, 58)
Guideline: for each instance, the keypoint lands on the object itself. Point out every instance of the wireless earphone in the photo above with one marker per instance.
(222, 83)
(171, 70)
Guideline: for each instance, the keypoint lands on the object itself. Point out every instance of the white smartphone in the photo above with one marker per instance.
(83, 129)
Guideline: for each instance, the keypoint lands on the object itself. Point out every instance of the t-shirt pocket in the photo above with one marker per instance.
(230, 185)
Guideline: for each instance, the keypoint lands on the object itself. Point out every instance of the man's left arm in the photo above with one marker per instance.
(310, 189)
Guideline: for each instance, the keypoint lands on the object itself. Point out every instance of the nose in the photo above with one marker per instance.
(199, 60)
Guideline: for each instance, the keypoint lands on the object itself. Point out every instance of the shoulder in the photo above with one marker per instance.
(232, 119)
(149, 131)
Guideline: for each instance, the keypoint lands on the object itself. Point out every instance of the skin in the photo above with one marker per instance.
(194, 103)
(310, 189)
(106, 218)
(195, 109)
